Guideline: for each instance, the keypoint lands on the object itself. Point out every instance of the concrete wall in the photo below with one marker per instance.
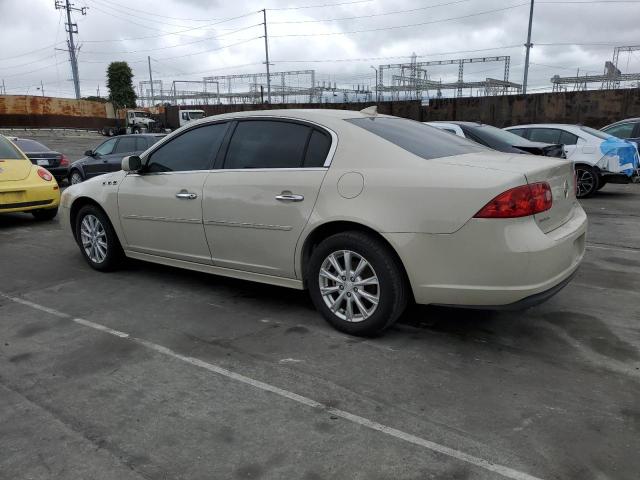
(38, 111)
(595, 108)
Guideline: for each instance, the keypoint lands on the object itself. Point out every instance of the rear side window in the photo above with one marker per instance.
(267, 144)
(318, 149)
(567, 138)
(193, 150)
(521, 132)
(545, 135)
(125, 145)
(8, 151)
(422, 140)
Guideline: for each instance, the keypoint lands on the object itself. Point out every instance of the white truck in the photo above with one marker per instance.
(135, 121)
(187, 116)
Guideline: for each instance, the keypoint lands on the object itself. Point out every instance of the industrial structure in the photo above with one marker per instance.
(412, 80)
(611, 78)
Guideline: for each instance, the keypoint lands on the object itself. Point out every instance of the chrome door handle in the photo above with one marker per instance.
(289, 197)
(187, 195)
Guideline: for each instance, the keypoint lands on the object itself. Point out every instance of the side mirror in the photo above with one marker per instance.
(89, 153)
(132, 163)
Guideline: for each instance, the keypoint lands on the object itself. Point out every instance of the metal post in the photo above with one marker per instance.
(266, 53)
(71, 29)
(4, 89)
(153, 97)
(42, 88)
(526, 58)
(376, 70)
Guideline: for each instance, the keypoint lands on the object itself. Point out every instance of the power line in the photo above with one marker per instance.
(320, 6)
(373, 14)
(24, 54)
(395, 27)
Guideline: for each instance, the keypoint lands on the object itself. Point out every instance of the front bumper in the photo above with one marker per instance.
(491, 262)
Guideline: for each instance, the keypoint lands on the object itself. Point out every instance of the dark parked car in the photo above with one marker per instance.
(44, 156)
(499, 139)
(107, 157)
(628, 129)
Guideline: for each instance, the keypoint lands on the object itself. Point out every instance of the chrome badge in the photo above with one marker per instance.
(565, 188)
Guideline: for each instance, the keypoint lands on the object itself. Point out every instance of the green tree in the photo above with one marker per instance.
(119, 82)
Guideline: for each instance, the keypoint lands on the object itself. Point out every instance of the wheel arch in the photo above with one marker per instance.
(77, 204)
(325, 230)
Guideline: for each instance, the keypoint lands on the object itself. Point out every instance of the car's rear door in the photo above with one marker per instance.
(160, 208)
(258, 202)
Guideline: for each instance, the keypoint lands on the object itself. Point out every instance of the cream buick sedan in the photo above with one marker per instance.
(366, 211)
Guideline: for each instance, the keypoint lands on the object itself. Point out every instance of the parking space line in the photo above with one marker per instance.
(614, 248)
(502, 470)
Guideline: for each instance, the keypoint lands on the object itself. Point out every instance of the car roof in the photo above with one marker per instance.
(311, 114)
(546, 125)
(626, 120)
(143, 135)
(462, 123)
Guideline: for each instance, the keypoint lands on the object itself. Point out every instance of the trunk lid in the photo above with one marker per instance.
(557, 172)
(45, 159)
(14, 170)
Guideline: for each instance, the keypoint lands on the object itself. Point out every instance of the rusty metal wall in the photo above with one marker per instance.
(595, 108)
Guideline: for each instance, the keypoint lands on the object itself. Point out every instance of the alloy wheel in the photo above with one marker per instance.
(349, 286)
(76, 178)
(586, 181)
(93, 237)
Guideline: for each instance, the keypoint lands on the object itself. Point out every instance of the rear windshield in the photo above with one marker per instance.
(31, 146)
(8, 151)
(489, 134)
(596, 133)
(415, 137)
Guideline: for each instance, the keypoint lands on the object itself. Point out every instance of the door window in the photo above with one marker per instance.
(125, 145)
(624, 130)
(545, 135)
(106, 148)
(521, 132)
(567, 138)
(267, 144)
(193, 150)
(318, 149)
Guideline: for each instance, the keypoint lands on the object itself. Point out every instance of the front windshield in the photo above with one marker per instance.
(596, 133)
(8, 151)
(196, 115)
(141, 114)
(491, 134)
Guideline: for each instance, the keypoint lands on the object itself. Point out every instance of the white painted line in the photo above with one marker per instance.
(502, 470)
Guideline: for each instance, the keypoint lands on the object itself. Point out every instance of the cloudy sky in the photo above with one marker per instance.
(339, 39)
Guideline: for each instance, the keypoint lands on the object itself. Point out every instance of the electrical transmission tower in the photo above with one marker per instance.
(72, 28)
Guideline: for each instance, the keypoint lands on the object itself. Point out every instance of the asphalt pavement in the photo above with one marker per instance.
(152, 372)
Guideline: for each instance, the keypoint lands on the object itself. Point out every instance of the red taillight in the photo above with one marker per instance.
(519, 202)
(45, 175)
(64, 161)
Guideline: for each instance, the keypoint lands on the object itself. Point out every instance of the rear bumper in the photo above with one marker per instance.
(490, 263)
(34, 198)
(619, 178)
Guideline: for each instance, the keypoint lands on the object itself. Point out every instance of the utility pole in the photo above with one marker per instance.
(377, 100)
(266, 53)
(153, 97)
(42, 88)
(526, 58)
(4, 89)
(72, 28)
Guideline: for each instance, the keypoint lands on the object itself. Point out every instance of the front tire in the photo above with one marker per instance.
(45, 214)
(97, 239)
(357, 283)
(588, 181)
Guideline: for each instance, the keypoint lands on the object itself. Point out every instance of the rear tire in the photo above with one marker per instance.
(363, 298)
(588, 181)
(75, 177)
(45, 214)
(97, 239)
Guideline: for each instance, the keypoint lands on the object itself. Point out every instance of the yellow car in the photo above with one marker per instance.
(25, 187)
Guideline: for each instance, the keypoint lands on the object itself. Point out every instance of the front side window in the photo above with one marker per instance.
(624, 130)
(423, 140)
(193, 150)
(106, 148)
(267, 144)
(125, 145)
(521, 132)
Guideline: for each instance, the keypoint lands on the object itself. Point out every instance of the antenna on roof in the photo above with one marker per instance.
(373, 110)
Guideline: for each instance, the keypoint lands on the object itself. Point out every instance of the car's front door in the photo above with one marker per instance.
(160, 208)
(257, 204)
(98, 163)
